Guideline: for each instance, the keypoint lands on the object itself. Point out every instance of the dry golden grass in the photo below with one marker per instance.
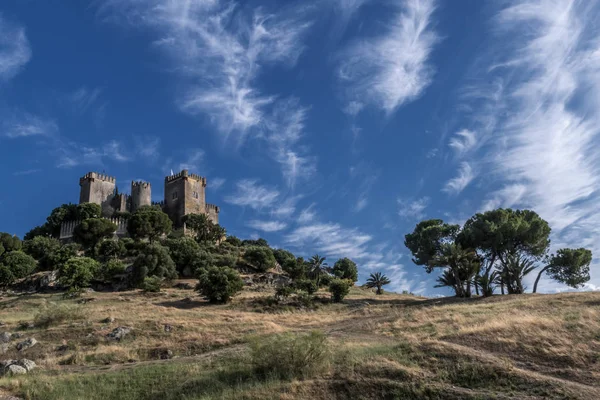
(527, 346)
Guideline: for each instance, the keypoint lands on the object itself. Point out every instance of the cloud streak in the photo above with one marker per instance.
(15, 51)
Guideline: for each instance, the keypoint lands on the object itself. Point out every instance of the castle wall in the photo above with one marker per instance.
(141, 195)
(213, 212)
(99, 189)
(67, 228)
(184, 194)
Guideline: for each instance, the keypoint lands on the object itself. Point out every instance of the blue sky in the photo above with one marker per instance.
(329, 126)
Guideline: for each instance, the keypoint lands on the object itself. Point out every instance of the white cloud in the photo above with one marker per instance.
(394, 68)
(461, 181)
(25, 125)
(412, 209)
(285, 208)
(193, 160)
(307, 215)
(463, 141)
(344, 10)
(148, 147)
(250, 193)
(72, 154)
(267, 226)
(216, 183)
(14, 49)
(83, 98)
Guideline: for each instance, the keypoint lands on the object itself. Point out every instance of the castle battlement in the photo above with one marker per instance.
(213, 208)
(98, 176)
(185, 174)
(142, 184)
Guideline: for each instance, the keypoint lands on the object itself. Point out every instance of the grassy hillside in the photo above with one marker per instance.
(390, 346)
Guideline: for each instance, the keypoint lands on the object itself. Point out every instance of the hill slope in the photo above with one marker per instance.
(390, 346)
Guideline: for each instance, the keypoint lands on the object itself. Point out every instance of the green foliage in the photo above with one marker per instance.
(6, 276)
(37, 231)
(63, 213)
(111, 269)
(261, 258)
(154, 260)
(204, 229)
(219, 285)
(377, 280)
(260, 242)
(93, 230)
(234, 241)
(284, 292)
(514, 269)
(184, 252)
(306, 285)
(88, 210)
(10, 242)
(568, 266)
(151, 284)
(110, 249)
(290, 355)
(78, 272)
(426, 241)
(345, 268)
(55, 259)
(20, 264)
(462, 264)
(2, 250)
(283, 256)
(148, 223)
(339, 288)
(317, 267)
(296, 268)
(55, 314)
(40, 246)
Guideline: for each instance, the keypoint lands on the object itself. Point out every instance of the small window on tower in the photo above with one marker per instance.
(174, 195)
(196, 195)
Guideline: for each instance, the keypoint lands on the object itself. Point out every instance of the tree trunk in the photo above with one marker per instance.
(378, 290)
(476, 287)
(468, 289)
(538, 278)
(502, 287)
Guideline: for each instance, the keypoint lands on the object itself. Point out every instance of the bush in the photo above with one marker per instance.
(282, 256)
(296, 268)
(345, 268)
(10, 242)
(151, 284)
(54, 314)
(6, 276)
(55, 259)
(110, 249)
(154, 260)
(19, 263)
(339, 289)
(284, 292)
(218, 285)
(183, 251)
(78, 272)
(111, 269)
(291, 356)
(306, 285)
(234, 241)
(40, 246)
(148, 222)
(261, 258)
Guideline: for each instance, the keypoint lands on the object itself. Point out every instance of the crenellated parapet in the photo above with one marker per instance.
(67, 228)
(212, 208)
(184, 174)
(140, 184)
(97, 176)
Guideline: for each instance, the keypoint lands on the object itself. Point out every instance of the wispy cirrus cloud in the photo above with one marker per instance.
(21, 125)
(72, 154)
(392, 69)
(15, 51)
(267, 226)
(412, 209)
(463, 141)
(216, 183)
(461, 181)
(250, 193)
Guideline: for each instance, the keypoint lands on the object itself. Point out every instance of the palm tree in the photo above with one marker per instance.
(462, 263)
(377, 280)
(317, 265)
(514, 270)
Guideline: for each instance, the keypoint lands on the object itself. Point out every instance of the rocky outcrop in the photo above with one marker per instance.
(26, 344)
(118, 333)
(16, 367)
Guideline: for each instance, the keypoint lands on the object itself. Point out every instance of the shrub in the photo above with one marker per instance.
(6, 276)
(234, 241)
(296, 268)
(110, 269)
(290, 355)
(339, 289)
(261, 258)
(183, 251)
(345, 268)
(55, 259)
(40, 246)
(306, 285)
(93, 230)
(54, 314)
(78, 272)
(282, 256)
(284, 292)
(19, 263)
(154, 260)
(151, 284)
(218, 285)
(110, 249)
(10, 242)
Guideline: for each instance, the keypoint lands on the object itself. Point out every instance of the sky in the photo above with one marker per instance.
(323, 126)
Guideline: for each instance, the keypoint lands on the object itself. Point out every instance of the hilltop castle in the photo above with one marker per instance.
(184, 194)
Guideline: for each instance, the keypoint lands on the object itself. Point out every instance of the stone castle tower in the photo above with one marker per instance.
(185, 193)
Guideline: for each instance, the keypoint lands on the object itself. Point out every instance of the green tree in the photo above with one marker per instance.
(427, 240)
(204, 229)
(37, 231)
(514, 269)
(154, 260)
(568, 266)
(6, 276)
(93, 230)
(1, 249)
(234, 241)
(40, 246)
(184, 252)
(110, 270)
(20, 264)
(296, 269)
(10, 242)
(78, 272)
(148, 222)
(63, 213)
(56, 258)
(282, 256)
(317, 265)
(462, 263)
(345, 268)
(219, 285)
(261, 258)
(260, 242)
(339, 288)
(110, 249)
(377, 280)
(88, 210)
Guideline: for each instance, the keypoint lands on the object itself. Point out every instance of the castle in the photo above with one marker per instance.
(184, 194)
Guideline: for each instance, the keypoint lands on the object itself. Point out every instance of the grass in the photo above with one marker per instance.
(389, 346)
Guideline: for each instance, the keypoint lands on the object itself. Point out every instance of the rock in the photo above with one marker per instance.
(166, 354)
(16, 335)
(48, 280)
(118, 333)
(5, 337)
(168, 328)
(108, 320)
(5, 363)
(24, 345)
(14, 369)
(27, 364)
(86, 300)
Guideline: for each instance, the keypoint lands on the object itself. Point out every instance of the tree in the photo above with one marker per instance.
(20, 264)
(88, 210)
(1, 249)
(260, 242)
(154, 260)
(345, 268)
(219, 285)
(261, 258)
(514, 269)
(110, 270)
(234, 241)
(40, 246)
(204, 229)
(317, 265)
(63, 213)
(10, 242)
(427, 240)
(184, 251)
(377, 280)
(37, 231)
(6, 276)
(93, 230)
(296, 268)
(282, 256)
(568, 266)
(110, 249)
(339, 288)
(55, 259)
(462, 263)
(78, 272)
(148, 222)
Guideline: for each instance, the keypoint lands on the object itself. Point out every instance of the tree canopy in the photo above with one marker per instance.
(148, 222)
(261, 258)
(93, 230)
(204, 229)
(345, 268)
